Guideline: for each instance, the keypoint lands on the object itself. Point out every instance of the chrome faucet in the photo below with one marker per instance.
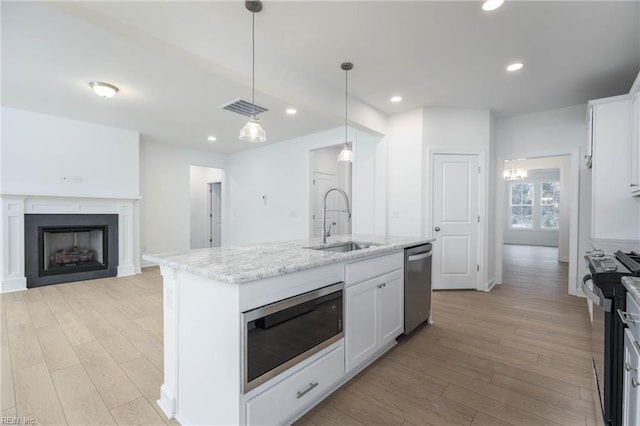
(324, 210)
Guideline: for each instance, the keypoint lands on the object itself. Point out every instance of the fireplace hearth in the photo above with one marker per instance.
(70, 247)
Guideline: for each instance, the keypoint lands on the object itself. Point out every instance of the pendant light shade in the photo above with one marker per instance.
(253, 131)
(346, 154)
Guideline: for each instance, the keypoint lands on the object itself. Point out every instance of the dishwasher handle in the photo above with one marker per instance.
(595, 295)
(420, 256)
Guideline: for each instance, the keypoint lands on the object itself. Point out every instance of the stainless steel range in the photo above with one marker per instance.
(604, 288)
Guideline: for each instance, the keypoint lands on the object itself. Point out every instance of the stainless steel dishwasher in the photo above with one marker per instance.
(417, 286)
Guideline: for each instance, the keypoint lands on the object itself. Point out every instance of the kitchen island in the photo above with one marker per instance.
(208, 295)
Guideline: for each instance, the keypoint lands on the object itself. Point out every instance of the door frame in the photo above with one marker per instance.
(210, 212)
(484, 283)
(310, 171)
(574, 189)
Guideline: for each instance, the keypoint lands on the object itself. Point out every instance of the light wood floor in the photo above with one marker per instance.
(91, 353)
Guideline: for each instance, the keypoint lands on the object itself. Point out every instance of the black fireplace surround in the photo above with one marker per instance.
(69, 260)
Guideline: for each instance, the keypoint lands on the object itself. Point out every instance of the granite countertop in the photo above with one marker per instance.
(611, 246)
(632, 284)
(240, 264)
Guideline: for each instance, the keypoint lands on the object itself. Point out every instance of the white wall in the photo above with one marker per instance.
(281, 172)
(165, 208)
(47, 155)
(413, 137)
(200, 222)
(405, 173)
(548, 133)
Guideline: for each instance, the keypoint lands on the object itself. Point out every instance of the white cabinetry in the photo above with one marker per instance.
(631, 391)
(630, 394)
(634, 181)
(374, 316)
(614, 213)
(374, 308)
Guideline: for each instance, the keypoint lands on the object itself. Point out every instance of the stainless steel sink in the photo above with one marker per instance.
(344, 247)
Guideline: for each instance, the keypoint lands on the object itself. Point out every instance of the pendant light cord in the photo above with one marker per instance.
(346, 99)
(253, 62)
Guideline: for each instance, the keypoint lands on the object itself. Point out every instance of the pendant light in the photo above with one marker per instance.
(253, 131)
(346, 154)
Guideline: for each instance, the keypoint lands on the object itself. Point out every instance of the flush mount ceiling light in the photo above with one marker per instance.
(490, 5)
(396, 99)
(105, 90)
(211, 139)
(253, 131)
(291, 111)
(515, 66)
(346, 154)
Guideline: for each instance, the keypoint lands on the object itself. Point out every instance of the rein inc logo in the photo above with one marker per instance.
(17, 421)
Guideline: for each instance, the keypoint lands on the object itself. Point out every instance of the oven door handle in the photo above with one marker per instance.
(626, 317)
(595, 295)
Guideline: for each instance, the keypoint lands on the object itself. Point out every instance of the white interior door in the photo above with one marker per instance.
(321, 183)
(455, 221)
(215, 214)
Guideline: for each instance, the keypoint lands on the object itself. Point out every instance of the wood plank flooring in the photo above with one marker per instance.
(91, 353)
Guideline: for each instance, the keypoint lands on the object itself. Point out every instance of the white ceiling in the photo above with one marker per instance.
(177, 62)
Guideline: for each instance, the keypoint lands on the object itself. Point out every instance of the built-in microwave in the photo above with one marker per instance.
(277, 336)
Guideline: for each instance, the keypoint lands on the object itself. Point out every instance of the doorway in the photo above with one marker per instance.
(206, 202)
(536, 210)
(327, 172)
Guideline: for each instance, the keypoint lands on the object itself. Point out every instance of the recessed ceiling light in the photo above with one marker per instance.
(105, 90)
(291, 111)
(490, 5)
(396, 99)
(211, 138)
(515, 66)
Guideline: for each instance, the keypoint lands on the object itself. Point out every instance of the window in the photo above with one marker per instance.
(522, 205)
(550, 205)
(535, 205)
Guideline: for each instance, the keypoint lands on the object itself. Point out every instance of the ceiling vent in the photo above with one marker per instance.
(243, 107)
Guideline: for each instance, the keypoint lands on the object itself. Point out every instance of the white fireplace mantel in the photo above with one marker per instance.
(15, 206)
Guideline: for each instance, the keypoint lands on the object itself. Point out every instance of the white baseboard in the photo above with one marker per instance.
(9, 285)
(490, 284)
(146, 264)
(167, 403)
(126, 270)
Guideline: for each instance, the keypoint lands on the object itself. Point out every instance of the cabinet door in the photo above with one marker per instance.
(361, 329)
(634, 184)
(630, 394)
(391, 306)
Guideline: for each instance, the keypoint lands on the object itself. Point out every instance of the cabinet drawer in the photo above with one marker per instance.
(278, 403)
(361, 271)
(633, 317)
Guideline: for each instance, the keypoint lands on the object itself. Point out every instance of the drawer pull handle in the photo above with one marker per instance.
(382, 285)
(626, 317)
(628, 367)
(634, 383)
(304, 392)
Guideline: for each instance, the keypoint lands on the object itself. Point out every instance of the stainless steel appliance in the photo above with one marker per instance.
(417, 286)
(604, 288)
(279, 335)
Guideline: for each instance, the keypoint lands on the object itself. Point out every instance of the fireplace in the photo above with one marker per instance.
(70, 247)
